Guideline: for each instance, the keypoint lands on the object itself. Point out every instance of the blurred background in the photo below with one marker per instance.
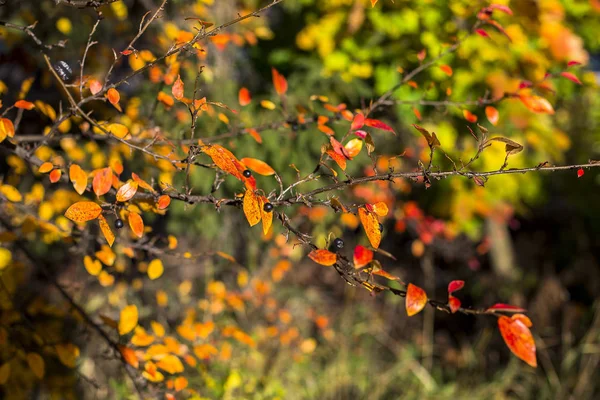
(258, 319)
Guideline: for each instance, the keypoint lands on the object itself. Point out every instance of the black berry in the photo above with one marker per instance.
(247, 173)
(119, 223)
(268, 207)
(338, 243)
(380, 227)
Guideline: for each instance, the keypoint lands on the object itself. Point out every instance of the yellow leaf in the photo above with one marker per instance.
(128, 320)
(155, 269)
(36, 364)
(119, 130)
(170, 363)
(151, 373)
(269, 105)
(157, 328)
(93, 267)
(67, 354)
(106, 231)
(251, 207)
(11, 193)
(141, 338)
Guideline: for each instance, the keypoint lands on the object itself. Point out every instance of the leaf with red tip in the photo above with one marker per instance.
(492, 115)
(455, 286)
(177, 89)
(358, 121)
(570, 77)
(338, 148)
(453, 304)
(375, 123)
(505, 308)
(323, 257)
(55, 175)
(279, 82)
(518, 338)
(136, 223)
(244, 97)
(362, 256)
(258, 166)
(102, 181)
(416, 299)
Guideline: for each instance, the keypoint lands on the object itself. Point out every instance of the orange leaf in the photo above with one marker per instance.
(251, 206)
(446, 69)
(326, 130)
(83, 211)
(469, 116)
(129, 356)
(136, 223)
(46, 167)
(518, 338)
(381, 209)
(127, 191)
(223, 158)
(279, 82)
(244, 97)
(373, 2)
(163, 202)
(25, 105)
(141, 183)
(492, 115)
(6, 129)
(106, 231)
(453, 303)
(338, 158)
(323, 257)
(113, 96)
(258, 166)
(102, 181)
(416, 299)
(78, 177)
(537, 104)
(371, 226)
(165, 99)
(362, 256)
(55, 175)
(266, 216)
(255, 135)
(177, 88)
(417, 113)
(95, 86)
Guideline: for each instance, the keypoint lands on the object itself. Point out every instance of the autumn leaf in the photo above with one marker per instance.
(446, 69)
(358, 121)
(469, 116)
(455, 286)
(269, 105)
(353, 147)
(492, 115)
(55, 175)
(136, 223)
(165, 99)
(83, 211)
(93, 267)
(416, 299)
(375, 123)
(102, 181)
(266, 216)
(511, 147)
(279, 82)
(4, 372)
(254, 134)
(128, 319)
(46, 167)
(224, 159)
(251, 206)
(67, 354)
(95, 86)
(36, 364)
(453, 304)
(381, 209)
(106, 231)
(373, 2)
(7, 129)
(505, 308)
(323, 257)
(244, 97)
(537, 104)
(141, 183)
(570, 77)
(431, 138)
(113, 96)
(127, 191)
(78, 177)
(371, 225)
(362, 256)
(129, 356)
(518, 337)
(24, 105)
(11, 193)
(163, 202)
(155, 269)
(118, 130)
(258, 166)
(177, 89)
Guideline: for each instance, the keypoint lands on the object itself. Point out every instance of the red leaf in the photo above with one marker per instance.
(55, 175)
(323, 257)
(362, 256)
(505, 307)
(338, 148)
(469, 116)
(455, 286)
(572, 63)
(279, 82)
(492, 115)
(102, 181)
(580, 172)
(446, 69)
(416, 299)
(113, 96)
(24, 105)
(571, 77)
(177, 89)
(483, 33)
(375, 123)
(358, 121)
(453, 303)
(163, 202)
(244, 97)
(518, 338)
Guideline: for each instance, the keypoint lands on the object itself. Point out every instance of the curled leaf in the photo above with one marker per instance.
(511, 148)
(177, 89)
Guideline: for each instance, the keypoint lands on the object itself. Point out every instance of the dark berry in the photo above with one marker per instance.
(247, 173)
(338, 243)
(380, 227)
(268, 207)
(294, 126)
(119, 223)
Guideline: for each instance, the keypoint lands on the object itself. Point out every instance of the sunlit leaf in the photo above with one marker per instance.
(129, 356)
(266, 216)
(381, 209)
(358, 121)
(102, 181)
(128, 319)
(362, 256)
(371, 225)
(537, 104)
(279, 82)
(375, 123)
(492, 115)
(416, 299)
(24, 105)
(83, 211)
(7, 129)
(106, 231)
(163, 202)
(244, 97)
(46, 167)
(155, 269)
(95, 86)
(251, 206)
(136, 223)
(170, 363)
(224, 159)
(127, 191)
(323, 257)
(518, 338)
(119, 130)
(113, 96)
(258, 166)
(78, 177)
(353, 147)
